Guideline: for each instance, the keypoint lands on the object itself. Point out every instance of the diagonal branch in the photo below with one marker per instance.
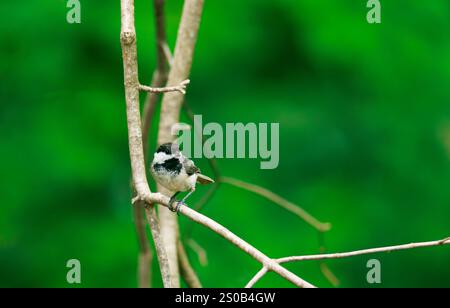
(257, 277)
(199, 251)
(211, 160)
(207, 222)
(264, 270)
(186, 270)
(324, 268)
(289, 206)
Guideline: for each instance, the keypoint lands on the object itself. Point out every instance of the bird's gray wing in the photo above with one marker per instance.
(190, 167)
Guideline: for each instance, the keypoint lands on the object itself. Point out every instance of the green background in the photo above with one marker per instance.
(364, 137)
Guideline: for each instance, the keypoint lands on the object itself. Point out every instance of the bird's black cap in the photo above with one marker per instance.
(168, 148)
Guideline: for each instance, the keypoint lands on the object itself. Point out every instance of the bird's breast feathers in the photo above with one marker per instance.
(175, 180)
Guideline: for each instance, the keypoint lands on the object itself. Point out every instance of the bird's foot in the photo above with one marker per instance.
(171, 202)
(177, 208)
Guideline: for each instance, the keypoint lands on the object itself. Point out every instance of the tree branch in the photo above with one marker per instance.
(257, 277)
(201, 219)
(145, 256)
(264, 270)
(187, 272)
(131, 83)
(324, 268)
(163, 260)
(199, 251)
(179, 88)
(182, 62)
(159, 78)
(329, 275)
(363, 252)
(289, 206)
(170, 113)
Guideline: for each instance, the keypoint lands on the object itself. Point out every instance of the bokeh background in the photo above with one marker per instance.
(364, 143)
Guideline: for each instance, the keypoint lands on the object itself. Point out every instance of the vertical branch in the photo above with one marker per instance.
(160, 250)
(131, 83)
(145, 256)
(170, 113)
(182, 63)
(326, 271)
(159, 78)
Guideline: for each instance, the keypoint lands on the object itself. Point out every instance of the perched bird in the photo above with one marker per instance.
(174, 171)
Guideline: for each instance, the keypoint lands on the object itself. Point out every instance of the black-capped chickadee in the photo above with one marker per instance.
(175, 172)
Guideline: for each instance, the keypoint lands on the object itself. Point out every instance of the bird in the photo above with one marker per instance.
(175, 172)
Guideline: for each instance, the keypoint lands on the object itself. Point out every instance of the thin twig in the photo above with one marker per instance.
(262, 272)
(186, 270)
(329, 275)
(324, 268)
(167, 53)
(131, 83)
(363, 252)
(179, 88)
(257, 277)
(162, 62)
(199, 251)
(211, 160)
(206, 197)
(444, 241)
(289, 206)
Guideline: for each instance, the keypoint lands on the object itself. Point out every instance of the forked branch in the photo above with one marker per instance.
(264, 270)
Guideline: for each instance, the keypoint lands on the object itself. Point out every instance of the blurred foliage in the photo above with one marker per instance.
(365, 137)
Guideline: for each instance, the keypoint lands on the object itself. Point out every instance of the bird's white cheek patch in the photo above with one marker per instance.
(161, 157)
